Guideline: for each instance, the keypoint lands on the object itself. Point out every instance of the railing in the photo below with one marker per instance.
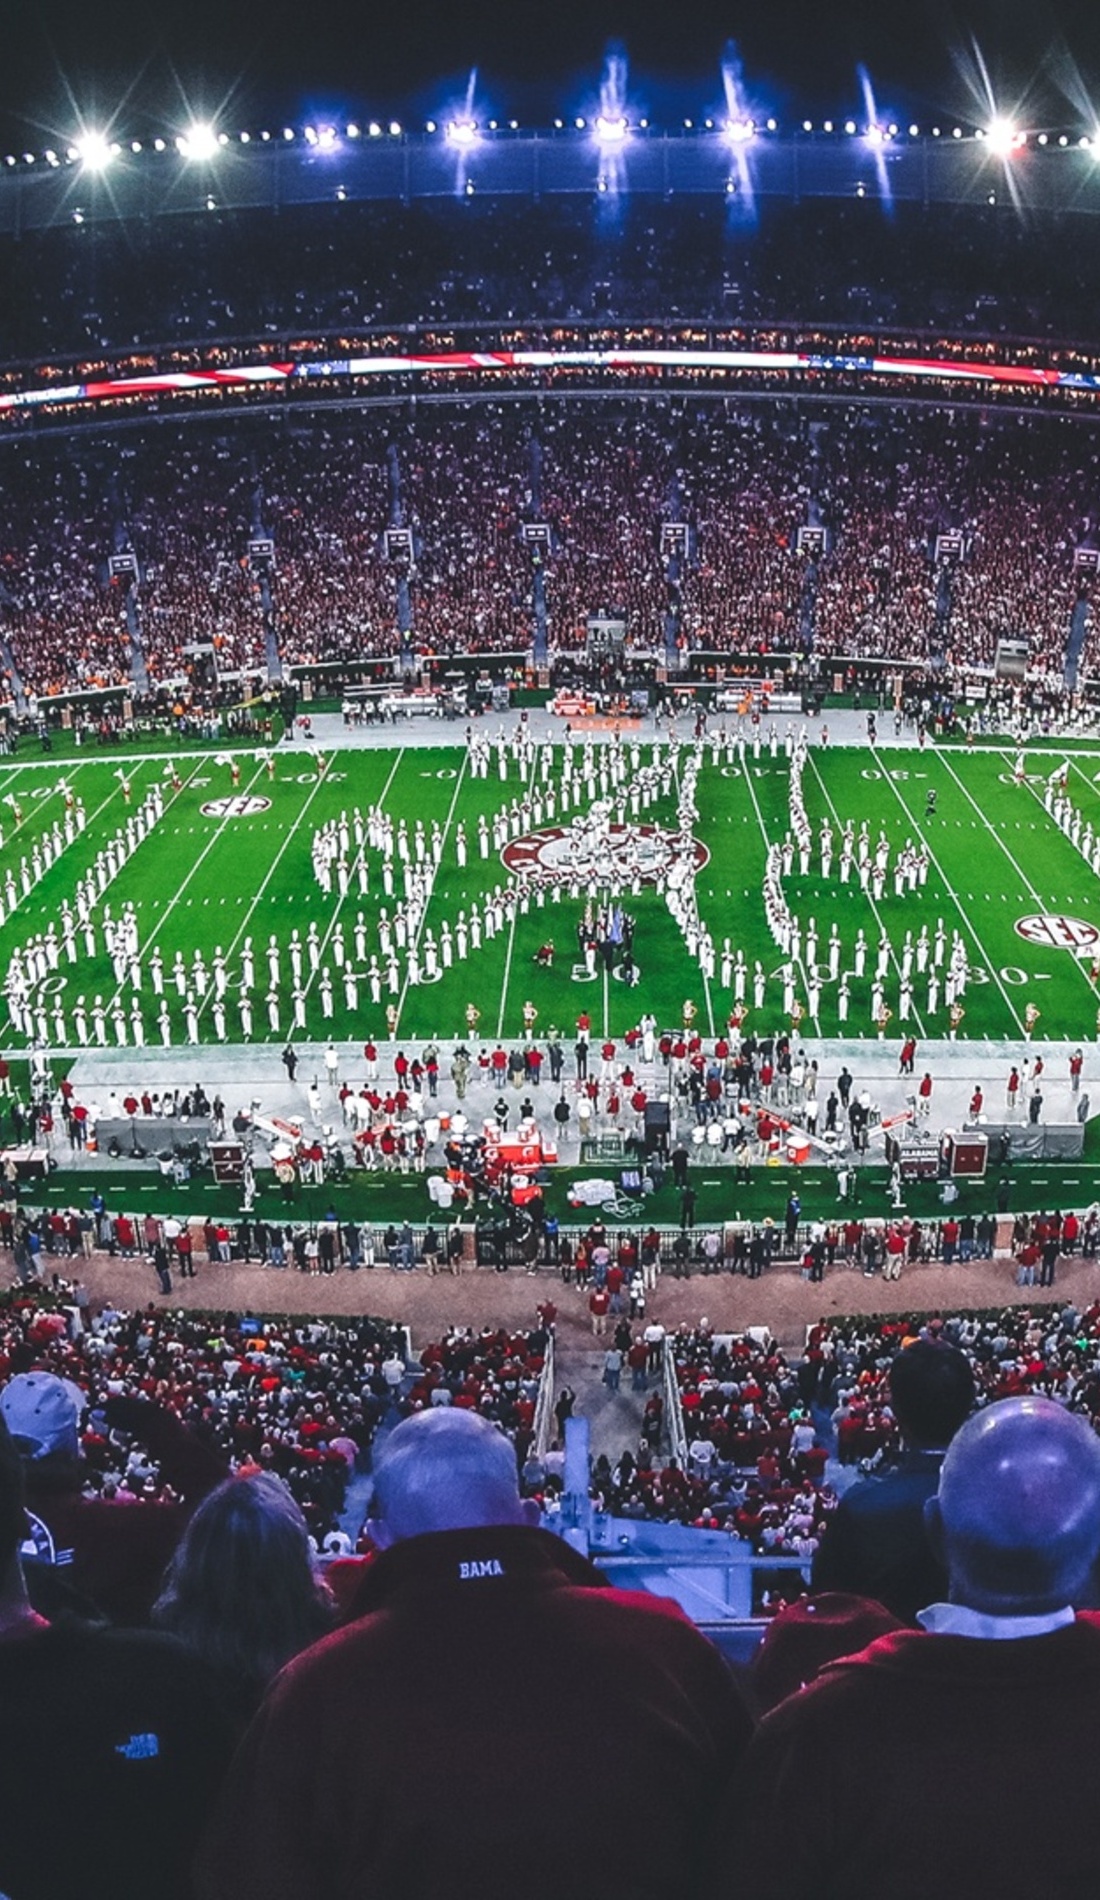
(725, 1596)
(545, 1421)
(674, 1411)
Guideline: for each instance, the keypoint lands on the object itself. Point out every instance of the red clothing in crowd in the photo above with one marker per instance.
(396, 1757)
(890, 1774)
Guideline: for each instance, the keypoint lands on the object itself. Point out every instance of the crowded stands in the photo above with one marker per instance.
(742, 481)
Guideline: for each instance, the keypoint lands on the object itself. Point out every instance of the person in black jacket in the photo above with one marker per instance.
(876, 1544)
(125, 1731)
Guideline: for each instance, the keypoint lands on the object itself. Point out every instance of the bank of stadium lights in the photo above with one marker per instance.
(93, 151)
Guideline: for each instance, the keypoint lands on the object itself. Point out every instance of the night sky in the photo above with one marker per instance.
(157, 65)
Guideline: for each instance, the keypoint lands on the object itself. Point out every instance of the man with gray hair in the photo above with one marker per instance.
(488, 1720)
(900, 1761)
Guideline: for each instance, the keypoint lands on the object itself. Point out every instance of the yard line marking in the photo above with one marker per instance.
(953, 895)
(271, 870)
(203, 854)
(436, 868)
(1025, 881)
(507, 973)
(341, 901)
(882, 930)
(767, 844)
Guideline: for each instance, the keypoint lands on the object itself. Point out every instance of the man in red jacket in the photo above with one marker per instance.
(395, 1758)
(897, 1761)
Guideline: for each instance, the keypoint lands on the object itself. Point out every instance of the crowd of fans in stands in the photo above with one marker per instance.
(299, 1399)
(761, 1430)
(462, 481)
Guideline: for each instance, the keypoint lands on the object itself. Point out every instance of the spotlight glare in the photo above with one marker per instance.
(463, 133)
(93, 151)
(608, 131)
(199, 143)
(875, 135)
(1002, 137)
(739, 131)
(326, 138)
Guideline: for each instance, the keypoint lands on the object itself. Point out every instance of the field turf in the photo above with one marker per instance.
(199, 881)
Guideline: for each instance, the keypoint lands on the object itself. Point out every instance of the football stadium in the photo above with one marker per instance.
(550, 966)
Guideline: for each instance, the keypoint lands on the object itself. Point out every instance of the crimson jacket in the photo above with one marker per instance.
(499, 1722)
(901, 1765)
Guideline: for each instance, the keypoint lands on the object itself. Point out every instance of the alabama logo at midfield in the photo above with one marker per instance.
(605, 854)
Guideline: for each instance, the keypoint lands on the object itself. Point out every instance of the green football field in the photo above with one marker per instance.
(1001, 872)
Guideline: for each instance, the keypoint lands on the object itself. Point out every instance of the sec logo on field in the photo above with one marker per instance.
(234, 807)
(1055, 931)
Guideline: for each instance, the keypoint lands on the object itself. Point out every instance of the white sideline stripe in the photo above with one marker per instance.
(957, 901)
(1025, 881)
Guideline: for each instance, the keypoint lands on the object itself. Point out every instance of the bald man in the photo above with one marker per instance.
(497, 1722)
(902, 1764)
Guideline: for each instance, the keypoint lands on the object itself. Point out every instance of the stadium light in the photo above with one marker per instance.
(875, 135)
(199, 144)
(739, 131)
(610, 131)
(93, 151)
(462, 133)
(1002, 137)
